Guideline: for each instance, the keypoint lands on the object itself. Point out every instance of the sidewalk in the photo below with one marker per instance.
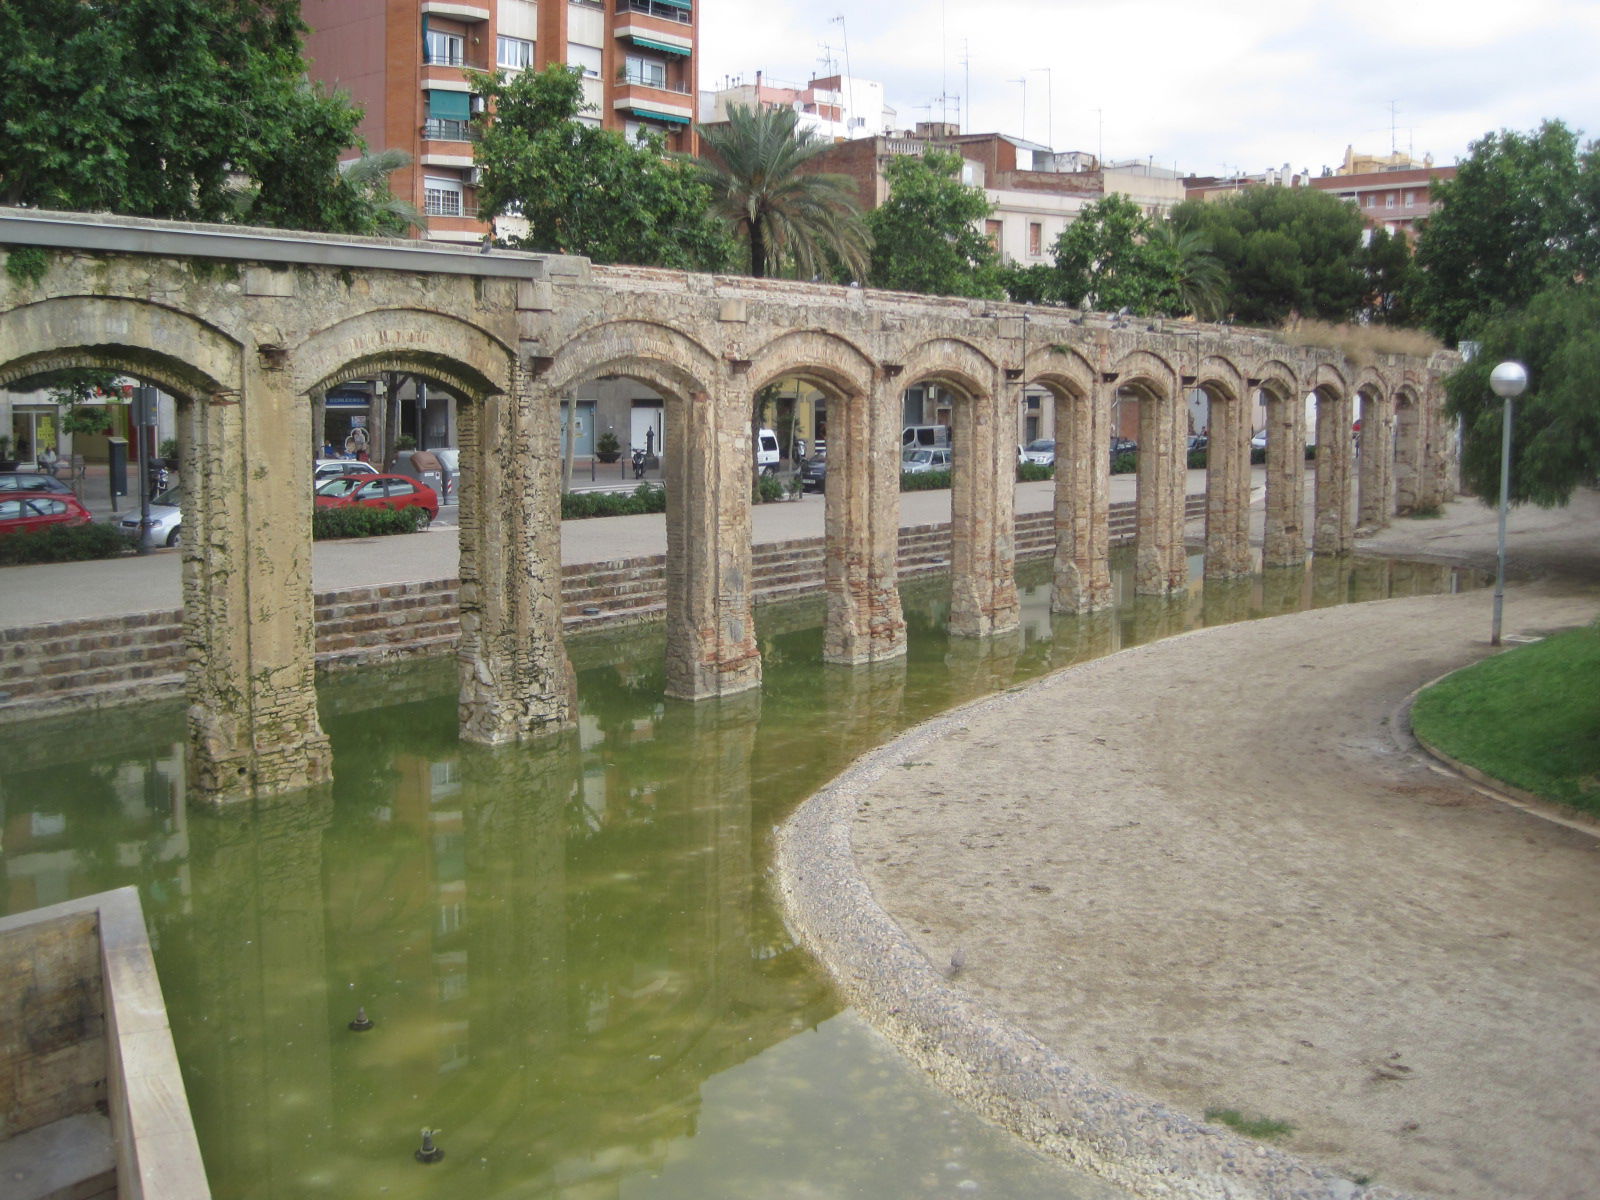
(153, 583)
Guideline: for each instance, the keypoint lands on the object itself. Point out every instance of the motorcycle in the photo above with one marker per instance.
(159, 480)
(638, 463)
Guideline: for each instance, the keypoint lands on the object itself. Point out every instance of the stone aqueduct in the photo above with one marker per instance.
(248, 327)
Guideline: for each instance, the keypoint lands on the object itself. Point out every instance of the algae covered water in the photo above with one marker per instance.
(568, 951)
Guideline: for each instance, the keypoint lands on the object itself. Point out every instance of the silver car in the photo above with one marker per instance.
(166, 519)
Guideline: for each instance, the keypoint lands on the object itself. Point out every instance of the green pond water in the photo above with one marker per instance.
(569, 951)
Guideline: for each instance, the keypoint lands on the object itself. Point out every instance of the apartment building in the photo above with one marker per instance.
(407, 63)
(1392, 195)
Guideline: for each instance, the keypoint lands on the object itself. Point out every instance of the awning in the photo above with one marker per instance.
(651, 115)
(449, 106)
(668, 47)
(684, 4)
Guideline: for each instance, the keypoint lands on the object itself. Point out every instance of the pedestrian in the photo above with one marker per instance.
(48, 460)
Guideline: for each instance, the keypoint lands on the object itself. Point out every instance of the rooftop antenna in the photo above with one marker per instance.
(1024, 82)
(966, 63)
(1393, 148)
(850, 82)
(1049, 105)
(828, 61)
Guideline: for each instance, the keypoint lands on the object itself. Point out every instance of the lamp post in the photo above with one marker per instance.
(1508, 381)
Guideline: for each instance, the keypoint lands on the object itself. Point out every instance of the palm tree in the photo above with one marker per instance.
(1198, 276)
(806, 220)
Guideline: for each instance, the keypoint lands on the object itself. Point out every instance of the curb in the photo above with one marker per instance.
(986, 1062)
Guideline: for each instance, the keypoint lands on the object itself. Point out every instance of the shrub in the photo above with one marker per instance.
(769, 488)
(1028, 472)
(1125, 463)
(1258, 454)
(646, 498)
(65, 543)
(1197, 460)
(926, 481)
(356, 521)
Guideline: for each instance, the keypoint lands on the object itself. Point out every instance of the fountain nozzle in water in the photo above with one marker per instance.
(428, 1153)
(361, 1024)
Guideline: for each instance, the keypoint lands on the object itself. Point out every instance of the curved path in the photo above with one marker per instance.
(1212, 872)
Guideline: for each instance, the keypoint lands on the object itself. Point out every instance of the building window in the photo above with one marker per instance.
(512, 53)
(441, 197)
(1372, 200)
(992, 230)
(445, 49)
(1035, 238)
(587, 57)
(646, 71)
(1388, 201)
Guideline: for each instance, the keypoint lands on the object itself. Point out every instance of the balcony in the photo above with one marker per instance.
(657, 83)
(455, 58)
(437, 129)
(657, 9)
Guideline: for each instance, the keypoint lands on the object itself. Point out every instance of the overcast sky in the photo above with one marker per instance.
(1208, 86)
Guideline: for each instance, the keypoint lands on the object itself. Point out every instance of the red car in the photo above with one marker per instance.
(39, 510)
(378, 491)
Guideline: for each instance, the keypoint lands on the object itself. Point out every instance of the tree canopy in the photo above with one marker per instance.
(1522, 213)
(586, 190)
(1286, 252)
(924, 235)
(184, 109)
(789, 219)
(1556, 423)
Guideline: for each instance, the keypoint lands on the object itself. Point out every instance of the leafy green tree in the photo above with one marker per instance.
(1286, 252)
(586, 190)
(184, 109)
(1556, 423)
(790, 218)
(925, 236)
(1391, 279)
(1522, 213)
(1193, 276)
(1111, 258)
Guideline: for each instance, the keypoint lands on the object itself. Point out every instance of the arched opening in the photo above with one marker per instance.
(1407, 452)
(1283, 535)
(1160, 474)
(1333, 530)
(1221, 448)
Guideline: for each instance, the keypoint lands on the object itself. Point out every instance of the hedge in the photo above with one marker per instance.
(65, 543)
(356, 521)
(646, 498)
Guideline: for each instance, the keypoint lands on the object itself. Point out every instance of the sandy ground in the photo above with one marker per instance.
(1215, 871)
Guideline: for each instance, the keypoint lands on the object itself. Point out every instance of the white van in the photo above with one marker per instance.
(914, 437)
(767, 452)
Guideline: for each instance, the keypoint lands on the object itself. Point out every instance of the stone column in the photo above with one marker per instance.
(516, 680)
(1160, 566)
(1082, 580)
(1376, 462)
(862, 513)
(1440, 469)
(1283, 542)
(711, 640)
(983, 585)
(247, 604)
(1228, 490)
(1334, 530)
(1407, 448)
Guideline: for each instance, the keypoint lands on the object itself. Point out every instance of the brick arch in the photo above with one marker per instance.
(1221, 379)
(1369, 379)
(174, 350)
(1063, 370)
(954, 362)
(462, 357)
(1327, 377)
(1277, 378)
(669, 361)
(1149, 372)
(821, 358)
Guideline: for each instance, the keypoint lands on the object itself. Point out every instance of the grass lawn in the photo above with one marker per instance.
(1529, 716)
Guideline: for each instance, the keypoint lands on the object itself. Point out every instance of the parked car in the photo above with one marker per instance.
(768, 455)
(333, 468)
(1198, 441)
(914, 436)
(27, 511)
(917, 462)
(1041, 451)
(32, 481)
(166, 518)
(378, 491)
(1122, 445)
(814, 475)
(1258, 440)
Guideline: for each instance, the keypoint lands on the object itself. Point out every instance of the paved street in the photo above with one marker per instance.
(70, 591)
